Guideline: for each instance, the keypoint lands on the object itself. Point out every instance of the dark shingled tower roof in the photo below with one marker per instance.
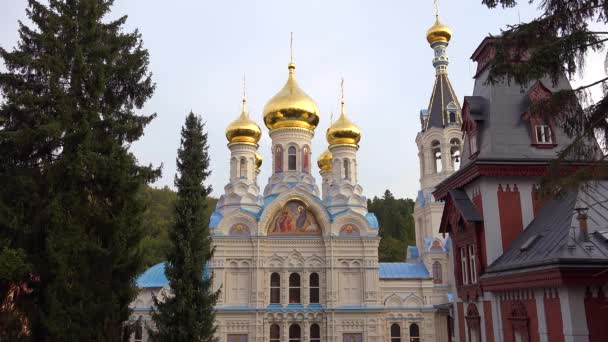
(442, 95)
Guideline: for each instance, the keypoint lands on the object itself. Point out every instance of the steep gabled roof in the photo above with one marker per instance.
(553, 238)
(442, 95)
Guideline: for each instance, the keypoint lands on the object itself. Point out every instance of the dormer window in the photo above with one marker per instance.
(542, 128)
(543, 134)
(451, 113)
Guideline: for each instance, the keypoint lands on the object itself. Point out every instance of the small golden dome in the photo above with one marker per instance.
(291, 107)
(438, 33)
(343, 131)
(243, 130)
(324, 161)
(258, 161)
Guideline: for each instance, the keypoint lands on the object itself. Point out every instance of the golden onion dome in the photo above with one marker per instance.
(324, 161)
(243, 130)
(438, 32)
(343, 131)
(258, 161)
(291, 107)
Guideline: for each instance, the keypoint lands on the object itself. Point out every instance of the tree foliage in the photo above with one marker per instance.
(187, 314)
(396, 225)
(157, 220)
(68, 183)
(557, 44)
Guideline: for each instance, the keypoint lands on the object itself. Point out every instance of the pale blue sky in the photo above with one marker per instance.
(199, 51)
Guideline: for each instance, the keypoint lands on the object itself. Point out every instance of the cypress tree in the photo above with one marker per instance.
(68, 182)
(557, 44)
(187, 314)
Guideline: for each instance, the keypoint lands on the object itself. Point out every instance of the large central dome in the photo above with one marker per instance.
(291, 107)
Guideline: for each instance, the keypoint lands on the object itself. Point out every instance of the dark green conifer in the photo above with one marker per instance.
(557, 44)
(68, 181)
(187, 314)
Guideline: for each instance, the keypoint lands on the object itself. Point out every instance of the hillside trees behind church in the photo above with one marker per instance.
(158, 218)
(187, 313)
(396, 225)
(557, 43)
(69, 212)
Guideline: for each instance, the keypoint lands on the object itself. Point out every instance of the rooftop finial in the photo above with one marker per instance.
(291, 48)
(244, 108)
(342, 95)
(436, 5)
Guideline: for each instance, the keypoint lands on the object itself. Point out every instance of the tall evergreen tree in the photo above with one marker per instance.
(68, 182)
(187, 314)
(555, 44)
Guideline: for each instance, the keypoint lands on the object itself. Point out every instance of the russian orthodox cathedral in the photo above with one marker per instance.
(299, 262)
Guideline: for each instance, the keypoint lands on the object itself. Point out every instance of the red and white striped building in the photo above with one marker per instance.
(524, 269)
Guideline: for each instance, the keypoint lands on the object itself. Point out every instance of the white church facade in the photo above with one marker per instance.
(298, 262)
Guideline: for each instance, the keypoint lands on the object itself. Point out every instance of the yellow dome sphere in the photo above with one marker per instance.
(324, 161)
(438, 33)
(243, 130)
(258, 161)
(343, 132)
(291, 107)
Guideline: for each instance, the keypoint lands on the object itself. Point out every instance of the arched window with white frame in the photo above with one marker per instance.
(315, 333)
(472, 264)
(437, 273)
(395, 333)
(313, 284)
(455, 151)
(294, 289)
(243, 168)
(139, 330)
(275, 333)
(275, 288)
(436, 154)
(414, 333)
(295, 333)
(346, 169)
(292, 158)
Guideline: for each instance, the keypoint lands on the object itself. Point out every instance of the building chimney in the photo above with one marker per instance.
(582, 223)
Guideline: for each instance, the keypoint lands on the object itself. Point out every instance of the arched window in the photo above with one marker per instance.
(275, 333)
(314, 287)
(139, 330)
(291, 158)
(295, 333)
(437, 274)
(395, 333)
(315, 333)
(275, 288)
(243, 168)
(294, 288)
(414, 333)
(347, 169)
(306, 159)
(455, 153)
(278, 159)
(436, 152)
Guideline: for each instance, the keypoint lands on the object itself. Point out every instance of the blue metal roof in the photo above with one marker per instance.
(155, 276)
(215, 219)
(402, 270)
(412, 252)
(372, 220)
(421, 198)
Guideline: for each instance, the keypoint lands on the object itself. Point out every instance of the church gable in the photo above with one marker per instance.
(294, 218)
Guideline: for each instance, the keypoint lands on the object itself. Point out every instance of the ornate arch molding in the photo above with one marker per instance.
(353, 218)
(237, 223)
(312, 204)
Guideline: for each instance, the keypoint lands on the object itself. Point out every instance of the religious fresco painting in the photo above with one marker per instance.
(353, 338)
(349, 230)
(294, 219)
(239, 229)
